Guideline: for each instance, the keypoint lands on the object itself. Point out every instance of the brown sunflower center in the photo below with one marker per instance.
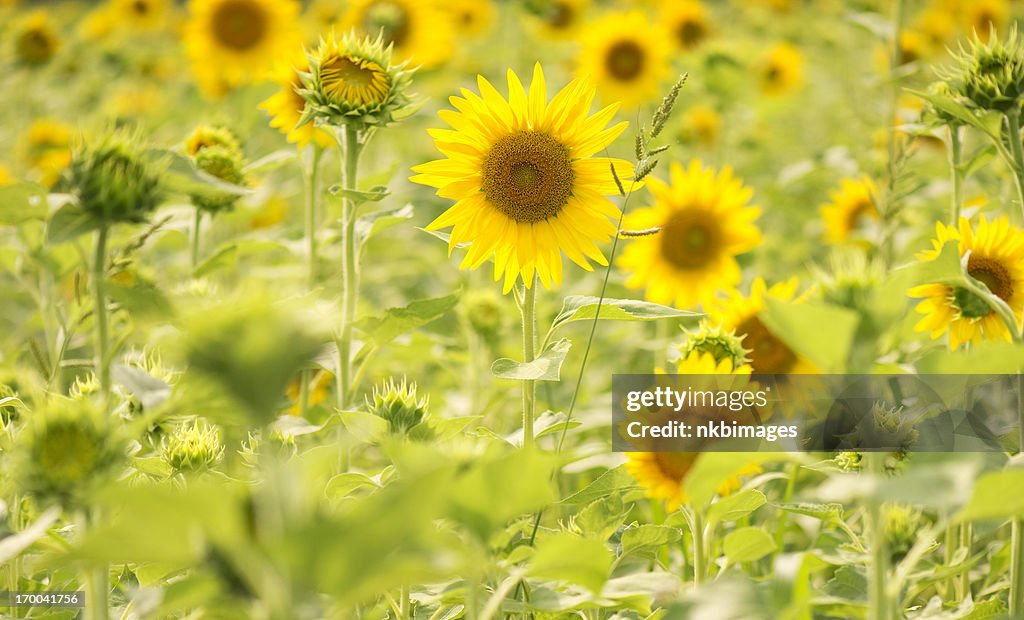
(389, 18)
(560, 15)
(768, 354)
(860, 208)
(690, 32)
(240, 24)
(35, 46)
(140, 7)
(691, 239)
(675, 465)
(528, 176)
(625, 60)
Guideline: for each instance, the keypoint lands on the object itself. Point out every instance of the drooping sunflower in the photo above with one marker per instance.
(661, 474)
(997, 260)
(286, 107)
(522, 171)
(46, 149)
(420, 30)
(140, 15)
(232, 42)
(781, 69)
(706, 221)
(35, 40)
(850, 208)
(687, 21)
(561, 19)
(768, 353)
(627, 56)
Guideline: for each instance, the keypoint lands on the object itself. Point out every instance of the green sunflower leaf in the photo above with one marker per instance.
(394, 322)
(547, 366)
(747, 544)
(582, 308)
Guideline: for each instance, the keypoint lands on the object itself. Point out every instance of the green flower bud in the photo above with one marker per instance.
(900, 525)
(193, 448)
(991, 74)
(398, 404)
(721, 344)
(205, 137)
(484, 311)
(112, 181)
(225, 164)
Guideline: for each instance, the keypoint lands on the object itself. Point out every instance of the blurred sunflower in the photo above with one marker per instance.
(421, 31)
(35, 40)
(768, 353)
(324, 15)
(701, 124)
(45, 147)
(561, 19)
(661, 474)
(524, 177)
(626, 55)
(472, 18)
(687, 21)
(287, 105)
(320, 389)
(982, 16)
(6, 178)
(781, 69)
(705, 222)
(997, 260)
(232, 42)
(938, 27)
(140, 15)
(850, 207)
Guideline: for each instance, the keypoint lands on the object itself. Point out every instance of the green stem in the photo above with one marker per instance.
(956, 174)
(349, 266)
(312, 215)
(966, 532)
(1013, 125)
(405, 604)
(699, 558)
(780, 529)
(97, 583)
(99, 273)
(197, 220)
(878, 568)
(529, 312)
(1016, 567)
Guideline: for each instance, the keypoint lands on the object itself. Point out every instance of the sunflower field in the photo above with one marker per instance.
(312, 309)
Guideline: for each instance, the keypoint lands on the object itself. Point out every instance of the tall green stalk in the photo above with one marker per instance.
(99, 273)
(197, 221)
(879, 607)
(312, 195)
(1017, 151)
(700, 569)
(528, 309)
(349, 263)
(956, 174)
(1017, 525)
(97, 585)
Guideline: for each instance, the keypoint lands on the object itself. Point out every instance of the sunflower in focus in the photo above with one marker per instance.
(35, 41)
(706, 221)
(420, 30)
(767, 352)
(561, 19)
(781, 69)
(627, 55)
(687, 21)
(850, 208)
(661, 474)
(232, 42)
(46, 148)
(997, 260)
(140, 15)
(472, 18)
(523, 173)
(286, 107)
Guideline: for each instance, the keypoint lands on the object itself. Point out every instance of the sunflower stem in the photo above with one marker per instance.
(1017, 524)
(312, 182)
(197, 220)
(878, 565)
(780, 529)
(349, 266)
(97, 583)
(99, 272)
(1013, 126)
(956, 174)
(699, 547)
(529, 313)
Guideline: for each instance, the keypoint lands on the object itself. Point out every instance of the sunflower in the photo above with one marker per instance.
(661, 474)
(687, 21)
(421, 31)
(781, 69)
(319, 390)
(561, 19)
(140, 15)
(701, 124)
(937, 26)
(705, 223)
(524, 177)
(983, 16)
(472, 18)
(997, 260)
(627, 55)
(850, 207)
(232, 42)
(768, 353)
(287, 105)
(46, 149)
(35, 41)
(6, 178)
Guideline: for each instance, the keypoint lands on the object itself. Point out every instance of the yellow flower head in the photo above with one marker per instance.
(781, 69)
(705, 222)
(984, 16)
(996, 260)
(35, 41)
(141, 15)
(627, 56)
(523, 173)
(561, 19)
(850, 206)
(46, 149)
(701, 124)
(687, 21)
(6, 178)
(420, 30)
(287, 106)
(472, 18)
(232, 42)
(767, 352)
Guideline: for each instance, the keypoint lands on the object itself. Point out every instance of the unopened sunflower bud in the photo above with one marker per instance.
(113, 182)
(224, 164)
(205, 137)
(717, 342)
(900, 526)
(991, 74)
(193, 448)
(483, 311)
(398, 404)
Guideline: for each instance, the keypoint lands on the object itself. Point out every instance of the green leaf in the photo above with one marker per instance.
(568, 558)
(714, 468)
(364, 426)
(373, 224)
(800, 326)
(181, 175)
(615, 481)
(990, 357)
(397, 321)
(736, 506)
(271, 161)
(142, 299)
(824, 512)
(12, 546)
(747, 544)
(374, 194)
(581, 308)
(945, 269)
(150, 391)
(547, 366)
(228, 254)
(647, 538)
(22, 202)
(979, 160)
(993, 498)
(949, 105)
(69, 222)
(345, 484)
(848, 583)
